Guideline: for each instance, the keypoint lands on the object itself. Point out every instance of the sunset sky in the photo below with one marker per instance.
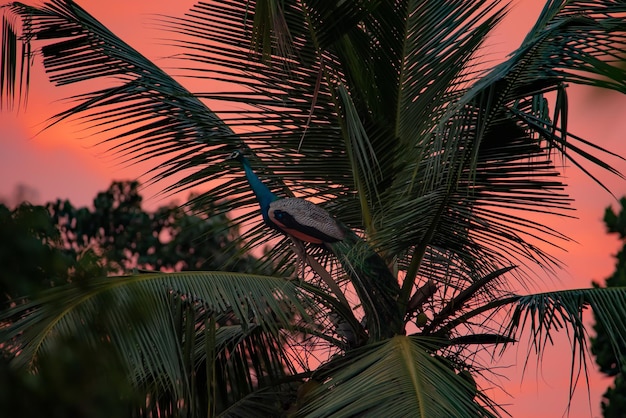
(61, 163)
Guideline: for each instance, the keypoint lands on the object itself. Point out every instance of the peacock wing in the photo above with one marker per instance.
(305, 220)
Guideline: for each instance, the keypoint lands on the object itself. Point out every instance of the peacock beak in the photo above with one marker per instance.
(235, 155)
(232, 156)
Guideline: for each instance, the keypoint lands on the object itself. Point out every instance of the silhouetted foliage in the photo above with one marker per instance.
(45, 247)
(376, 111)
(32, 256)
(614, 402)
(168, 239)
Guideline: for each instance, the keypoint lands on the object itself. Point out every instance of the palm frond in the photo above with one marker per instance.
(489, 162)
(10, 83)
(572, 42)
(145, 114)
(457, 303)
(164, 326)
(545, 314)
(401, 377)
(437, 61)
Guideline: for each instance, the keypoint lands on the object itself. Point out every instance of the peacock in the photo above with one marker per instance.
(304, 221)
(299, 219)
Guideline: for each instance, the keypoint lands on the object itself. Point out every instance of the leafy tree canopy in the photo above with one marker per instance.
(375, 110)
(168, 239)
(609, 360)
(44, 247)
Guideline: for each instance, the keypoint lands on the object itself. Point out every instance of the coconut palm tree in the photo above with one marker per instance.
(383, 114)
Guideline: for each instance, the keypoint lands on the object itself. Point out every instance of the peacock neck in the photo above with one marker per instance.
(261, 191)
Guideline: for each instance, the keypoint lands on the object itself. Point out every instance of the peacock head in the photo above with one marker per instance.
(262, 192)
(236, 155)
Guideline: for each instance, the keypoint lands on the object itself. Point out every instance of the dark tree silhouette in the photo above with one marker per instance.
(377, 112)
(43, 247)
(614, 402)
(168, 239)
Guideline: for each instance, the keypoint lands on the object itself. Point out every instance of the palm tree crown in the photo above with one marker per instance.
(380, 113)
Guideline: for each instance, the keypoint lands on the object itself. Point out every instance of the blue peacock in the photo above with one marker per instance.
(304, 221)
(297, 218)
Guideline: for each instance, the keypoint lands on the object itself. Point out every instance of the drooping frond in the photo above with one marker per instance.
(398, 375)
(145, 114)
(544, 315)
(467, 192)
(168, 328)
(572, 42)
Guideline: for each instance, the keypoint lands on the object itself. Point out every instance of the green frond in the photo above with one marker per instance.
(545, 314)
(145, 114)
(165, 326)
(395, 378)
(362, 156)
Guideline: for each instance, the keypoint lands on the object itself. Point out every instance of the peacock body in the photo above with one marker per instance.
(296, 218)
(303, 221)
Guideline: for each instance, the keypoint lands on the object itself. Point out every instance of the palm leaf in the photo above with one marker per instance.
(457, 303)
(146, 114)
(8, 73)
(486, 159)
(572, 42)
(544, 314)
(161, 325)
(400, 376)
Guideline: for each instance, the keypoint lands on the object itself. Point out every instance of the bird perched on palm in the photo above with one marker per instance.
(304, 221)
(297, 218)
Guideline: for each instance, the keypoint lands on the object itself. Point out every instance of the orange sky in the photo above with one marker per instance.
(57, 164)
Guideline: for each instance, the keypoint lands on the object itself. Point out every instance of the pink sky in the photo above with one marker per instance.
(58, 165)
